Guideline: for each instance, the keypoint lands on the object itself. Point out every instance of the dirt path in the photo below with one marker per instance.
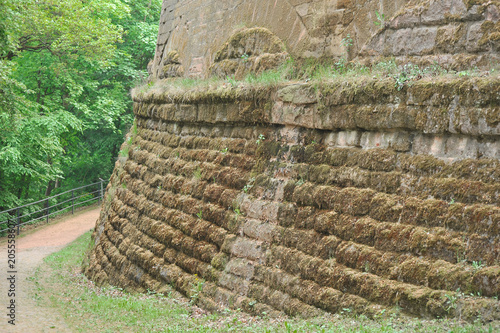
(31, 249)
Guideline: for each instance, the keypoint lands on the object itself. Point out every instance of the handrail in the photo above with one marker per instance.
(54, 196)
(96, 194)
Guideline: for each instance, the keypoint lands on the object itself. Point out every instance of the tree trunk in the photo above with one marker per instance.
(27, 192)
(21, 185)
(50, 187)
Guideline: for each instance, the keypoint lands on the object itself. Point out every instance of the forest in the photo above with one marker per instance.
(66, 70)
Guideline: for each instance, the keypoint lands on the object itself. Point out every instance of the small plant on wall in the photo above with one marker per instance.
(196, 289)
(380, 19)
(260, 139)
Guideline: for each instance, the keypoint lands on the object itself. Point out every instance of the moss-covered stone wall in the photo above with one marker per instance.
(456, 33)
(198, 29)
(311, 198)
(453, 33)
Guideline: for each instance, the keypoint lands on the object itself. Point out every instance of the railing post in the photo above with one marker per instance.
(102, 194)
(18, 221)
(48, 210)
(73, 201)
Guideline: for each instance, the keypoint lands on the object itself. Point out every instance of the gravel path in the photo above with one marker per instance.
(30, 251)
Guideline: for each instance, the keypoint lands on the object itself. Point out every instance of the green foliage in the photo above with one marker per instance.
(380, 19)
(197, 173)
(452, 302)
(231, 80)
(66, 68)
(196, 289)
(386, 67)
(248, 186)
(477, 265)
(300, 182)
(347, 42)
(407, 74)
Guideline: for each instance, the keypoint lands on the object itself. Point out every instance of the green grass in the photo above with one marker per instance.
(316, 71)
(88, 308)
(197, 173)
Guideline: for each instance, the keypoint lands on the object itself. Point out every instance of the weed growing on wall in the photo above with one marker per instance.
(380, 19)
(197, 173)
(347, 42)
(248, 186)
(196, 289)
(260, 139)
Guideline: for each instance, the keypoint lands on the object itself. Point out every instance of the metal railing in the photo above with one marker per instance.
(42, 209)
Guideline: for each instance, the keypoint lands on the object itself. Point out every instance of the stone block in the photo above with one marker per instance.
(334, 118)
(451, 37)
(428, 144)
(422, 41)
(233, 283)
(233, 112)
(297, 115)
(489, 121)
(256, 229)
(473, 14)
(241, 267)
(206, 113)
(348, 138)
(247, 248)
(331, 139)
(460, 147)
(407, 20)
(303, 9)
(298, 94)
(186, 113)
(438, 11)
(474, 34)
(489, 149)
(399, 40)
(399, 141)
(492, 13)
(220, 113)
(259, 209)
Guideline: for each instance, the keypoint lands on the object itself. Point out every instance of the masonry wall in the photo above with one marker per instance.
(306, 199)
(197, 29)
(453, 33)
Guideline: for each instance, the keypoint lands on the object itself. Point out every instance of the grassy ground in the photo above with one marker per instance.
(87, 308)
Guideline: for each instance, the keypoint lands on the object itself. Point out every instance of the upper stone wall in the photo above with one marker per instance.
(456, 33)
(197, 29)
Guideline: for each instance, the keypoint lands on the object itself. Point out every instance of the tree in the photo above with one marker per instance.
(66, 69)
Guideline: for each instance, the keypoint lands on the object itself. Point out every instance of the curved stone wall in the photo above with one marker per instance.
(310, 28)
(453, 33)
(310, 198)
(460, 34)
